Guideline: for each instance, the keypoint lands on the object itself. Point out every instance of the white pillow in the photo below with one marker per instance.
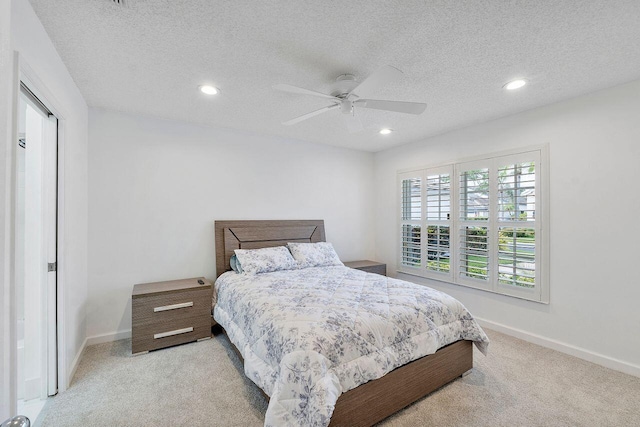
(265, 260)
(314, 254)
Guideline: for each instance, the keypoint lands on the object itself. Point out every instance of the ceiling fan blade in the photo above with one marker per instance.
(354, 125)
(301, 91)
(309, 115)
(377, 79)
(397, 106)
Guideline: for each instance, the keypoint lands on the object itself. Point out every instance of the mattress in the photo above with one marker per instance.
(309, 335)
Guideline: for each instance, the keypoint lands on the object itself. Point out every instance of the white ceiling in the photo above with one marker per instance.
(150, 56)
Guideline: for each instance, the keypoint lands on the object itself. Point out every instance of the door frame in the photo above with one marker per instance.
(8, 337)
(29, 77)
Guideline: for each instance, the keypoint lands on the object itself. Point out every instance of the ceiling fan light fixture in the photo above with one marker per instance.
(515, 84)
(385, 131)
(209, 90)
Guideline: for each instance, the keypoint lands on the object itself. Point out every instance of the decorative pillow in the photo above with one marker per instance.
(314, 254)
(265, 260)
(235, 264)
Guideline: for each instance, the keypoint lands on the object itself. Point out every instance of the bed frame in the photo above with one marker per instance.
(374, 401)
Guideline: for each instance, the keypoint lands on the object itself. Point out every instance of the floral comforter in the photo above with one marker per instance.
(309, 335)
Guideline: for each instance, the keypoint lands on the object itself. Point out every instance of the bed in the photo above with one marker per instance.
(312, 387)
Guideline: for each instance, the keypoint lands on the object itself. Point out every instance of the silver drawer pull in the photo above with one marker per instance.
(173, 306)
(172, 333)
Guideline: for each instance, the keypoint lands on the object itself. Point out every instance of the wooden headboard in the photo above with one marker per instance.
(231, 235)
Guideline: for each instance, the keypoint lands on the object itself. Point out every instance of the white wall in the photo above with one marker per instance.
(7, 291)
(42, 66)
(594, 156)
(157, 186)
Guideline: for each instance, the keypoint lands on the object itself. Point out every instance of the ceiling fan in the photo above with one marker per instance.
(348, 96)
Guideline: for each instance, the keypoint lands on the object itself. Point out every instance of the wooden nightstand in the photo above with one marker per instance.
(170, 313)
(368, 266)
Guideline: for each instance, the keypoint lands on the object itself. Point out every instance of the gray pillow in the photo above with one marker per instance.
(235, 264)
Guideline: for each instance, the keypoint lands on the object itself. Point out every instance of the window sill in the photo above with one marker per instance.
(466, 285)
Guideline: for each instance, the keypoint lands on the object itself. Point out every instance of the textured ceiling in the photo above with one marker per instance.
(150, 56)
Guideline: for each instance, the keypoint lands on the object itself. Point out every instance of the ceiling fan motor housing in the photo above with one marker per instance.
(344, 84)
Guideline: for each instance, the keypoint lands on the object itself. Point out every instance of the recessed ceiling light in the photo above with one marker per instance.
(515, 84)
(385, 131)
(209, 90)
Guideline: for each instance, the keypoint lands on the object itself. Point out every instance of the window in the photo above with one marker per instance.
(411, 212)
(438, 220)
(478, 223)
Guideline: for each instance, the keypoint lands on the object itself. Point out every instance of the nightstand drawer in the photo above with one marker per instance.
(153, 336)
(171, 306)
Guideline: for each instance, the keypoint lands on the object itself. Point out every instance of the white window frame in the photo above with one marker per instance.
(493, 161)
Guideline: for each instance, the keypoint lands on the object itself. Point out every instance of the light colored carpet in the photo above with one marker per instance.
(203, 384)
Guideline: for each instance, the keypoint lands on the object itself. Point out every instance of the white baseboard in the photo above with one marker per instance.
(590, 356)
(112, 336)
(32, 388)
(97, 339)
(75, 363)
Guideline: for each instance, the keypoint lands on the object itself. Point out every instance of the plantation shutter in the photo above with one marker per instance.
(473, 224)
(410, 221)
(518, 229)
(438, 197)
